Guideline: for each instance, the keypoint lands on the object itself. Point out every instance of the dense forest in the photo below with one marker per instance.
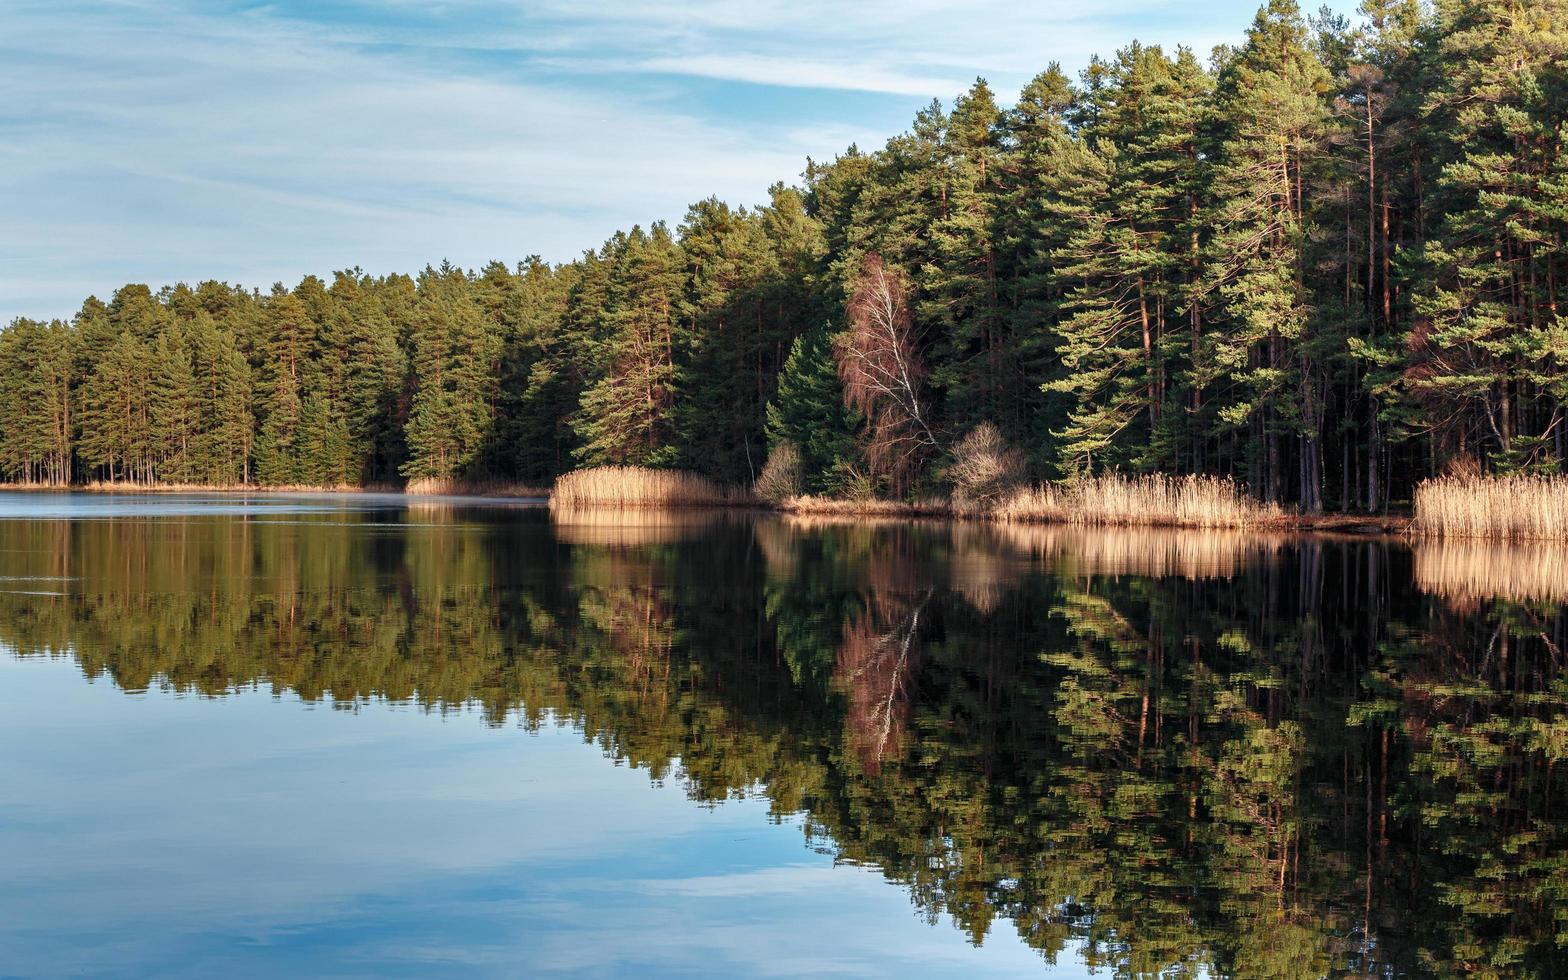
(1325, 261)
(1167, 755)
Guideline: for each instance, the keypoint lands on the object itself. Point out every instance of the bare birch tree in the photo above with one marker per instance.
(883, 373)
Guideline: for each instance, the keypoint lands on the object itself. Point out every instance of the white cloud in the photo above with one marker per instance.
(162, 141)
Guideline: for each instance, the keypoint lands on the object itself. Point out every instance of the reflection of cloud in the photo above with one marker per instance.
(759, 881)
(251, 835)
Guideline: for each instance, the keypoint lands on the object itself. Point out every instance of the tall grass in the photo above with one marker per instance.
(1114, 500)
(1153, 501)
(636, 486)
(1509, 508)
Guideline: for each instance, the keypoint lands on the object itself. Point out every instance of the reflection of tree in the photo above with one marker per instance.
(879, 656)
(1301, 770)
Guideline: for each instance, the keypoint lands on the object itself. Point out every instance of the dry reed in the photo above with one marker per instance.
(1154, 501)
(635, 486)
(1498, 507)
(809, 505)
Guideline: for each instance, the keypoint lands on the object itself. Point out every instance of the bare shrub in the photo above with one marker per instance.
(983, 469)
(780, 478)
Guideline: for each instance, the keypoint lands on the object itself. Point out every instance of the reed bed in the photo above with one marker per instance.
(1152, 501)
(636, 486)
(813, 506)
(1505, 508)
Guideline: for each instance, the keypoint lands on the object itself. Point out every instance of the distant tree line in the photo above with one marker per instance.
(1326, 263)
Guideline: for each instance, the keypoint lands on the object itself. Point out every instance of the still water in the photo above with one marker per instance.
(358, 736)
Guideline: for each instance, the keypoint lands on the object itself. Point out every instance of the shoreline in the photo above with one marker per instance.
(496, 492)
(848, 510)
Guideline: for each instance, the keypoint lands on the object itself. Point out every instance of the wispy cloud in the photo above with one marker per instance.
(164, 141)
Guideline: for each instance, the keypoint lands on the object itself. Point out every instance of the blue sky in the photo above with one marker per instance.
(160, 141)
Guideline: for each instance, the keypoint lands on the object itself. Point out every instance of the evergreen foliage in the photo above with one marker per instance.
(1326, 264)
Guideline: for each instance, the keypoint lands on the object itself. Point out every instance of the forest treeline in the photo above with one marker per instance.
(1325, 262)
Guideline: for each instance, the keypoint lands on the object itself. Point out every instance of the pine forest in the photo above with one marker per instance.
(1325, 263)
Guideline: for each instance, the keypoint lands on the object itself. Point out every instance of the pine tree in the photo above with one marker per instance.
(220, 449)
(282, 367)
(808, 410)
(1042, 172)
(456, 360)
(116, 430)
(627, 416)
(1123, 269)
(962, 305)
(174, 415)
(1489, 348)
(1271, 101)
(35, 401)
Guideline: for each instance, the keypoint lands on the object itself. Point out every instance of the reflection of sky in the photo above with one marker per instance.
(85, 506)
(159, 834)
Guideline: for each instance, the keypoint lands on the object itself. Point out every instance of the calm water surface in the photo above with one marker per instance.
(357, 736)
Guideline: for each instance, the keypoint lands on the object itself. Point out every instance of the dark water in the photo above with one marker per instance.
(347, 736)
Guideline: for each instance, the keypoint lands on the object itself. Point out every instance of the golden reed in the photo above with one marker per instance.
(1154, 501)
(636, 486)
(1506, 508)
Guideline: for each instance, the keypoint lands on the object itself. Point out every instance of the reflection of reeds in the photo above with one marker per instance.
(1466, 571)
(629, 526)
(636, 486)
(983, 562)
(1155, 552)
(1160, 501)
(829, 507)
(1503, 507)
(878, 659)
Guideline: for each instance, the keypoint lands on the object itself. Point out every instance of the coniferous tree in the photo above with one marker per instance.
(809, 412)
(1491, 348)
(628, 415)
(116, 439)
(455, 362)
(36, 401)
(174, 414)
(1274, 121)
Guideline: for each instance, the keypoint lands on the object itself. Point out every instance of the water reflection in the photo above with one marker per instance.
(1160, 753)
(1467, 571)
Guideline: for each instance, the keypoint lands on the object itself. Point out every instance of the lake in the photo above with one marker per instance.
(374, 736)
